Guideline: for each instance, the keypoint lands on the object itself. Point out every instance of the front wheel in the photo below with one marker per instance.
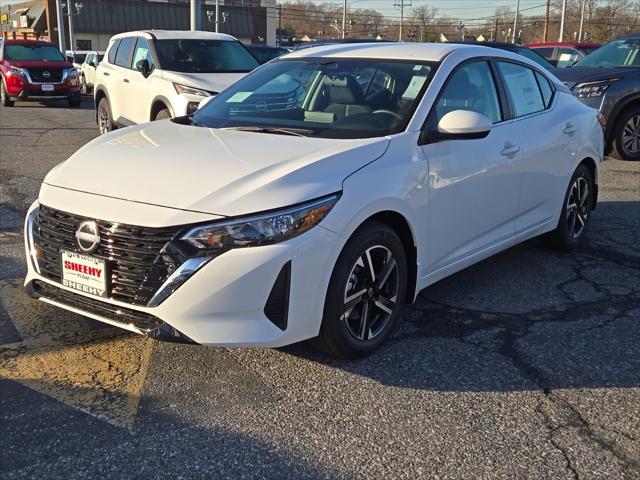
(366, 293)
(576, 212)
(626, 137)
(4, 97)
(163, 114)
(84, 90)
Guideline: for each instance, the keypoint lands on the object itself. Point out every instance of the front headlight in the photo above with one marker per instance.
(592, 89)
(263, 229)
(190, 90)
(15, 71)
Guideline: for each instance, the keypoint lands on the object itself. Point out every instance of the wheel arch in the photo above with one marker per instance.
(401, 226)
(158, 103)
(590, 163)
(620, 108)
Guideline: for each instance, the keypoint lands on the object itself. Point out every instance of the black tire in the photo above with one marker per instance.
(346, 335)
(84, 90)
(626, 136)
(566, 235)
(75, 102)
(105, 121)
(163, 114)
(4, 98)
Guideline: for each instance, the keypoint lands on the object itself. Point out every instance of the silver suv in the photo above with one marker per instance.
(609, 80)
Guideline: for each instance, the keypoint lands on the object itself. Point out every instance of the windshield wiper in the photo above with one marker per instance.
(297, 132)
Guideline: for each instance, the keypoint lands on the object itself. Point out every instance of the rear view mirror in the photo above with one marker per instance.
(144, 67)
(464, 124)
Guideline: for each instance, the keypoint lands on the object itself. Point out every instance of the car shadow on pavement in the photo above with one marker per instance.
(527, 318)
(38, 435)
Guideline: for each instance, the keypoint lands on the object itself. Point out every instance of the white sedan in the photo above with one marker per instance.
(316, 196)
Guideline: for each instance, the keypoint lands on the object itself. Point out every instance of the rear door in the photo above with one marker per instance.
(548, 142)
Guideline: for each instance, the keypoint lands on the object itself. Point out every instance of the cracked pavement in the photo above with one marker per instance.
(526, 365)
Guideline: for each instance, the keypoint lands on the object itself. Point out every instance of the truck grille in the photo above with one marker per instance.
(137, 258)
(38, 75)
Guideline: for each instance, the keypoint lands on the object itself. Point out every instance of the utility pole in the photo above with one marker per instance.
(217, 16)
(581, 20)
(546, 22)
(344, 19)
(402, 4)
(515, 22)
(564, 13)
(196, 23)
(495, 37)
(279, 24)
(460, 28)
(61, 39)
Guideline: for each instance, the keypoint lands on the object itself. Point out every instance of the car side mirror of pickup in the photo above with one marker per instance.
(144, 67)
(93, 63)
(458, 125)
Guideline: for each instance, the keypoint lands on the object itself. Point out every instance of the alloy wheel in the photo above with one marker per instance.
(103, 120)
(578, 205)
(371, 293)
(631, 135)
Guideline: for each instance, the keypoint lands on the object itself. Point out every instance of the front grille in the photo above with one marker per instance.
(141, 320)
(38, 75)
(138, 258)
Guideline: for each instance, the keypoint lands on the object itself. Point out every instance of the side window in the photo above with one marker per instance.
(522, 89)
(567, 57)
(112, 52)
(471, 87)
(546, 52)
(142, 52)
(124, 49)
(545, 88)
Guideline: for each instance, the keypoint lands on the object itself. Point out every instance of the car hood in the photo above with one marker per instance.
(215, 171)
(572, 75)
(213, 82)
(40, 64)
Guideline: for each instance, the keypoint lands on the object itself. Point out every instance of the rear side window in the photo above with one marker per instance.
(522, 88)
(545, 89)
(124, 50)
(567, 57)
(546, 52)
(112, 52)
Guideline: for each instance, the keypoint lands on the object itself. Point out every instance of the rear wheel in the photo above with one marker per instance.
(365, 294)
(626, 137)
(83, 86)
(4, 97)
(105, 123)
(576, 212)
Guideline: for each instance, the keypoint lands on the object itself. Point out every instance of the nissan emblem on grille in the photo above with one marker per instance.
(88, 236)
(46, 74)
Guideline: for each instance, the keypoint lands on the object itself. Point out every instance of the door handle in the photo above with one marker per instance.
(509, 150)
(569, 129)
(106, 74)
(126, 80)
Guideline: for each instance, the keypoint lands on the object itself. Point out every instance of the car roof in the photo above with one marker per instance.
(629, 36)
(10, 41)
(433, 52)
(176, 34)
(564, 44)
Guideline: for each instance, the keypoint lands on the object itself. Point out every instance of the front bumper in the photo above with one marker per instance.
(224, 302)
(35, 93)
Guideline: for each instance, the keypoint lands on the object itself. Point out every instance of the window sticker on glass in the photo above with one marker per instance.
(239, 97)
(414, 87)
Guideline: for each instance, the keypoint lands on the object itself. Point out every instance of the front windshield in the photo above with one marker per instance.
(204, 56)
(323, 97)
(618, 53)
(79, 57)
(35, 52)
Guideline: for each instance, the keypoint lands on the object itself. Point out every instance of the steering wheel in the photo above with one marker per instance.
(389, 112)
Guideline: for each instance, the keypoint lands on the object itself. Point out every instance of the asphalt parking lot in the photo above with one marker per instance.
(524, 366)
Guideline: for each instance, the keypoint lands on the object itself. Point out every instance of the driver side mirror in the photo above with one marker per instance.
(144, 67)
(93, 63)
(70, 59)
(459, 125)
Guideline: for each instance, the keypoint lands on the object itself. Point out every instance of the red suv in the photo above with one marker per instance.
(33, 70)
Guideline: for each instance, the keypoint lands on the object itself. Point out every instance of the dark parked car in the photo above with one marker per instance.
(334, 41)
(609, 80)
(564, 54)
(266, 53)
(519, 49)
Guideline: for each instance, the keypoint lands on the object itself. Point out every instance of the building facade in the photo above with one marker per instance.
(251, 21)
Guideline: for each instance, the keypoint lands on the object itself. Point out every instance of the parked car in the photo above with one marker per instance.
(519, 49)
(77, 57)
(88, 71)
(564, 54)
(266, 53)
(336, 41)
(36, 71)
(609, 80)
(156, 74)
(394, 166)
